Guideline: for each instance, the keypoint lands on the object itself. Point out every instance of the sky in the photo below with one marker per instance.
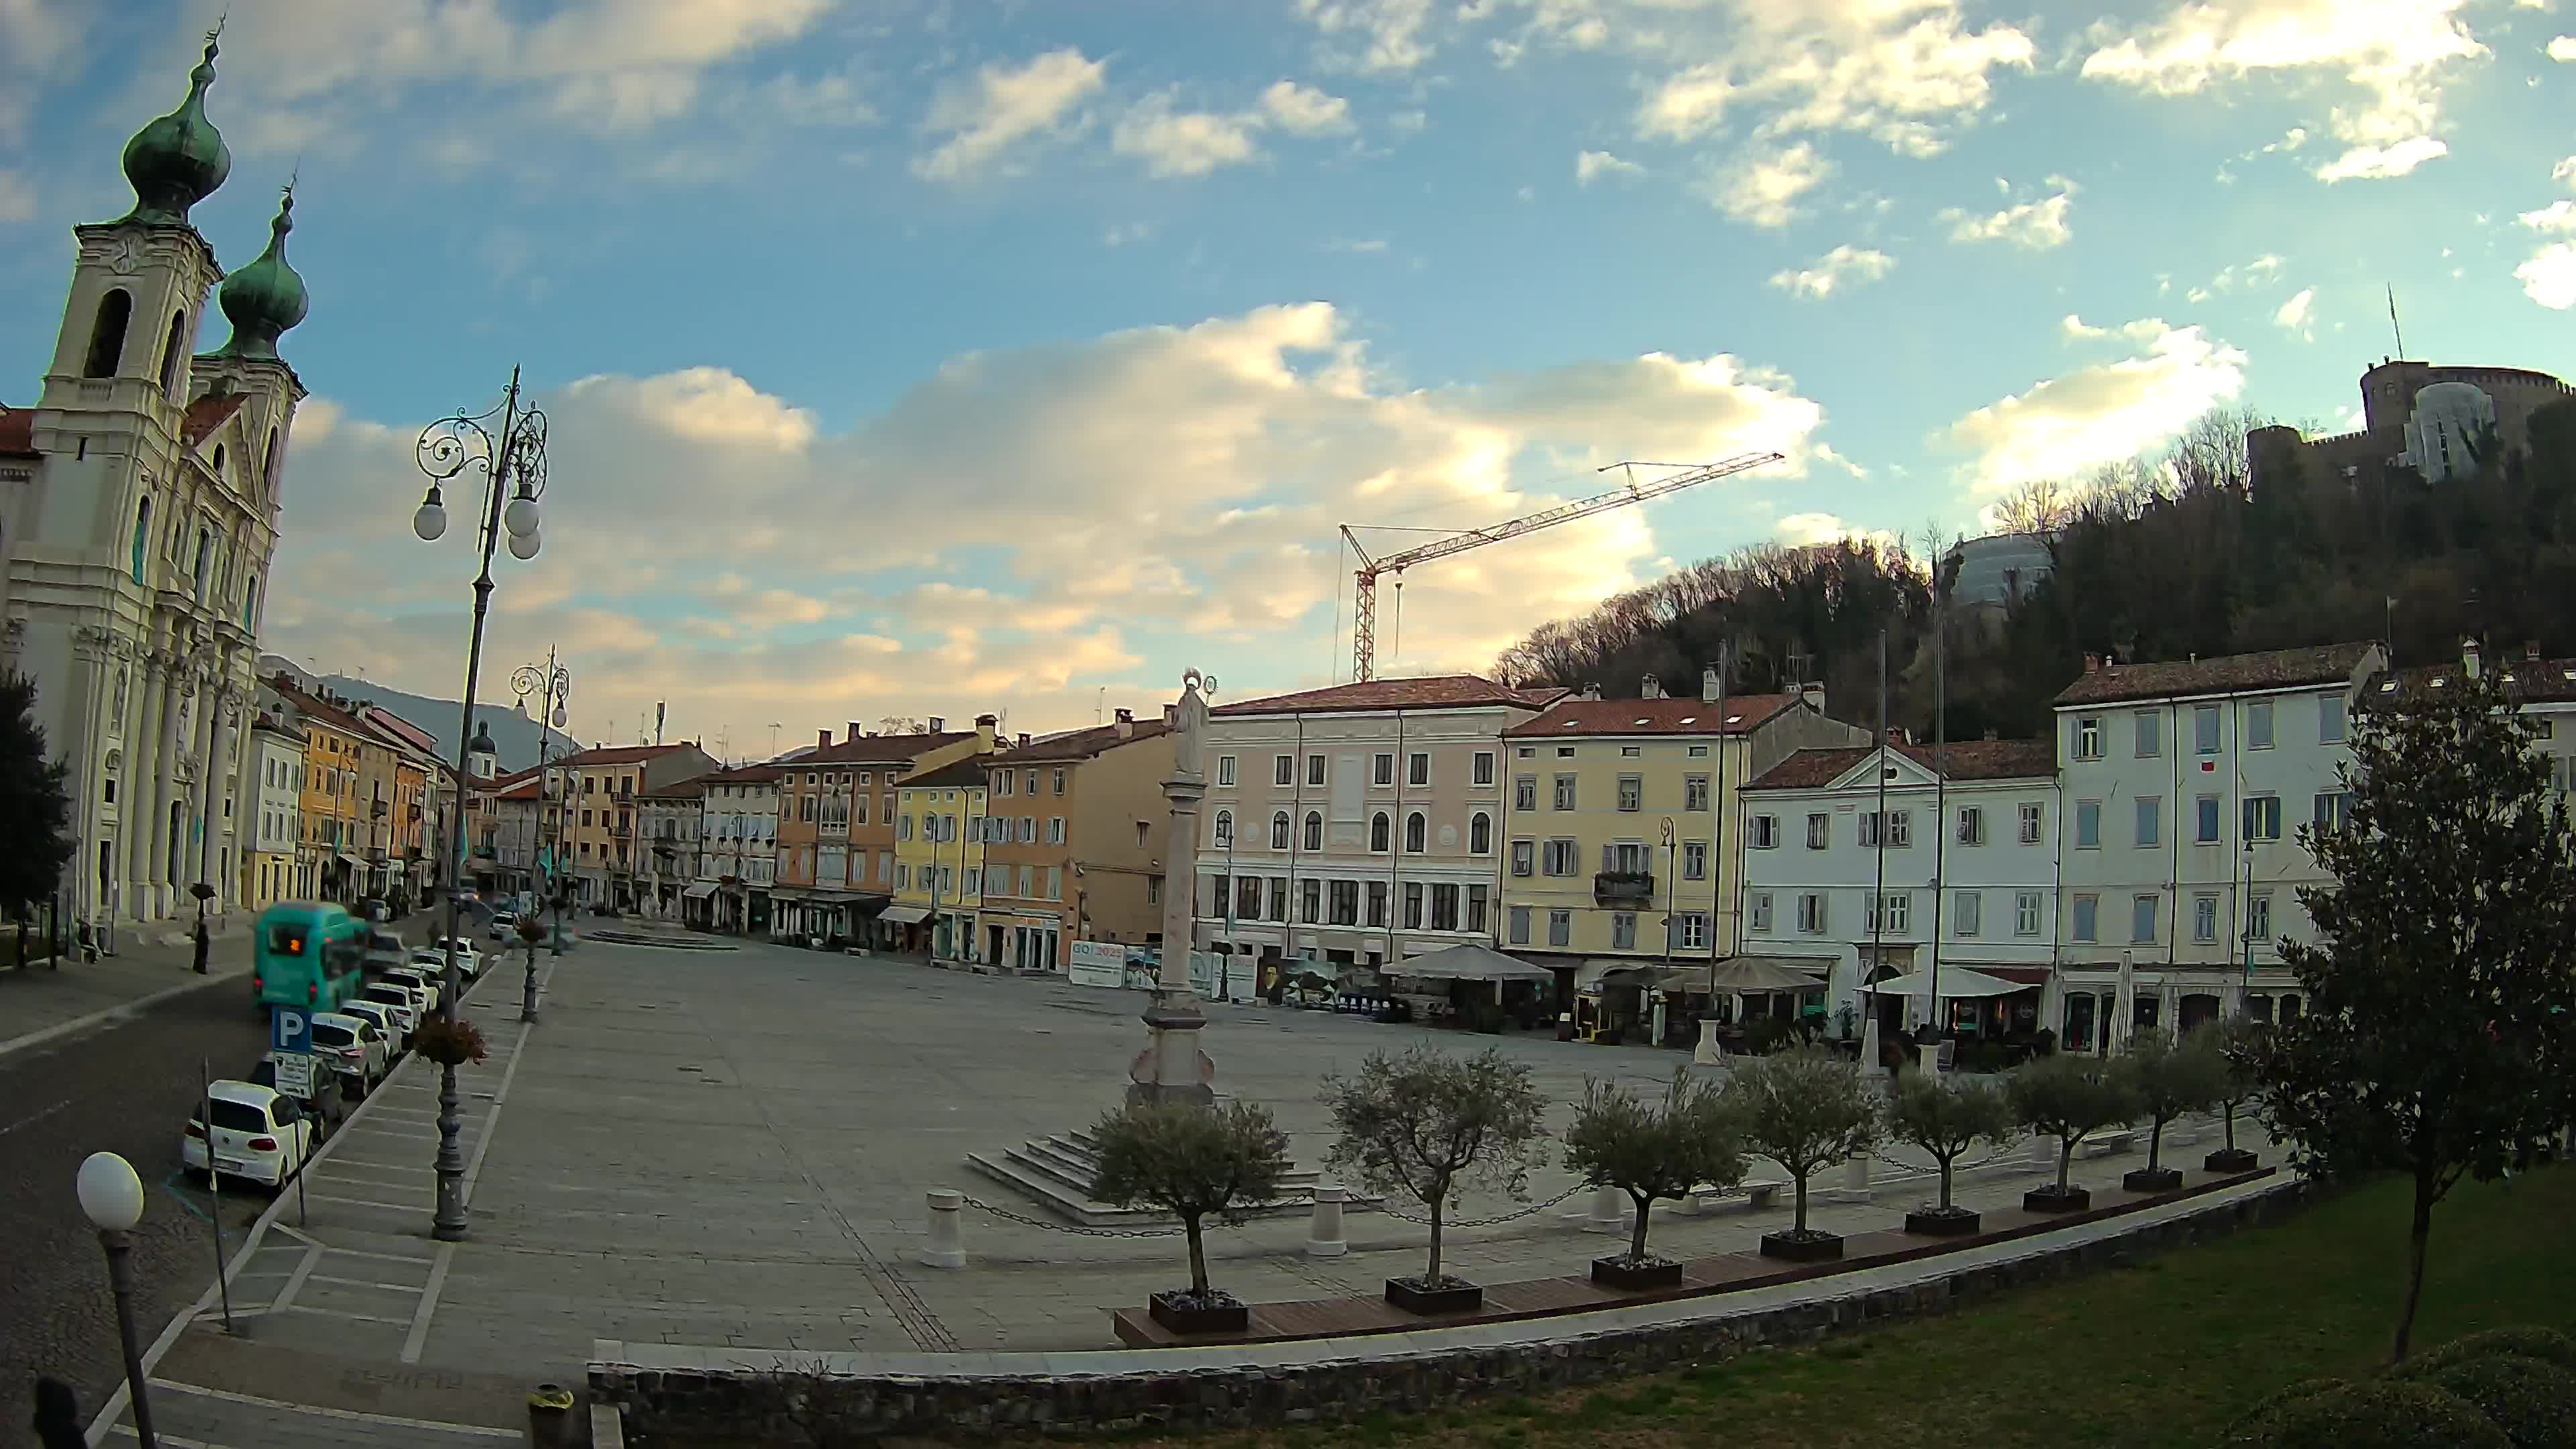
(914, 359)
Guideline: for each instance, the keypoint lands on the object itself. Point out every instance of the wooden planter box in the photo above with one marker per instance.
(2048, 1200)
(1229, 1317)
(1824, 1249)
(1620, 1273)
(1410, 1295)
(2152, 1179)
(2229, 1159)
(1934, 1223)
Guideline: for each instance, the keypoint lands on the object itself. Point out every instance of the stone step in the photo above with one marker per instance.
(1049, 1176)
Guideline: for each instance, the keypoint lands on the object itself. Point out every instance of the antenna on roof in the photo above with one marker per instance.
(2392, 321)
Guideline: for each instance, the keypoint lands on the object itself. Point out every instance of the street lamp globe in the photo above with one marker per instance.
(111, 1196)
(521, 516)
(524, 546)
(431, 521)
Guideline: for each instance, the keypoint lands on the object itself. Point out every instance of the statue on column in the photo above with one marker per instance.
(1189, 724)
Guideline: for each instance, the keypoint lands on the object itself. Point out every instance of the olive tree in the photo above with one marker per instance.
(1807, 1110)
(2168, 1078)
(1426, 1123)
(2070, 1097)
(1191, 1162)
(2239, 1042)
(1654, 1151)
(1947, 1116)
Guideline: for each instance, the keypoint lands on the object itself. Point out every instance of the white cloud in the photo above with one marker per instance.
(2398, 55)
(1387, 33)
(1763, 190)
(2297, 316)
(2145, 329)
(2549, 277)
(2031, 225)
(981, 123)
(1304, 110)
(17, 198)
(2563, 48)
(2075, 326)
(1182, 143)
(1359, 245)
(2565, 170)
(1590, 165)
(2556, 216)
(2102, 412)
(1819, 279)
(1806, 530)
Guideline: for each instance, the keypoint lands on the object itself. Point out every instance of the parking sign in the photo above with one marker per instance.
(290, 1031)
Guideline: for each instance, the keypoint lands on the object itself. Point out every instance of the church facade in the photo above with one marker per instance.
(140, 500)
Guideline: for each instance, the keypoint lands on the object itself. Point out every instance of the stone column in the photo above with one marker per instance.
(179, 697)
(1171, 1067)
(141, 785)
(222, 783)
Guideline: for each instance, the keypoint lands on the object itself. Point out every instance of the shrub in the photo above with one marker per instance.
(1946, 1118)
(2070, 1098)
(2378, 1414)
(1653, 1151)
(2169, 1078)
(2533, 1402)
(1805, 1110)
(2528, 1340)
(450, 1043)
(1191, 1162)
(1767, 1034)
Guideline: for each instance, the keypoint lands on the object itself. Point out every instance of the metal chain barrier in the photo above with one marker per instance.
(1023, 1219)
(1488, 1222)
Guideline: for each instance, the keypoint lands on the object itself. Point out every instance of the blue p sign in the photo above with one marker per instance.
(290, 1030)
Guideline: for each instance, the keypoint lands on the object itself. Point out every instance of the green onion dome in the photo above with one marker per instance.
(264, 299)
(179, 159)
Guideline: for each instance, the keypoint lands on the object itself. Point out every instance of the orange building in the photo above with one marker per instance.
(836, 826)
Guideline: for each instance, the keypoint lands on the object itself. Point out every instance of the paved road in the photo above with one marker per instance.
(125, 1089)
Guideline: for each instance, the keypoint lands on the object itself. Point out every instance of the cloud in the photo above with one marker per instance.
(1763, 190)
(1388, 34)
(1304, 110)
(2556, 216)
(1589, 165)
(2395, 55)
(1806, 530)
(981, 123)
(2102, 412)
(1040, 520)
(2031, 225)
(17, 198)
(1359, 245)
(1193, 143)
(2549, 277)
(2563, 48)
(2146, 329)
(1819, 279)
(2297, 316)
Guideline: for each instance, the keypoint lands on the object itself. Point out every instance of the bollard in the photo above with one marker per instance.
(1324, 1230)
(1609, 1212)
(945, 1248)
(1855, 1186)
(550, 1417)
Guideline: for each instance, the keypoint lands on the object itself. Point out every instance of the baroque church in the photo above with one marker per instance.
(139, 499)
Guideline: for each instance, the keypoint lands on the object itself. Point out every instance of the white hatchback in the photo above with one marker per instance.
(432, 960)
(400, 1002)
(356, 1046)
(257, 1134)
(419, 980)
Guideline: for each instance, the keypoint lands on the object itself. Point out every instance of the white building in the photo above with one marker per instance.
(1299, 783)
(2184, 785)
(276, 815)
(738, 861)
(1959, 872)
(140, 514)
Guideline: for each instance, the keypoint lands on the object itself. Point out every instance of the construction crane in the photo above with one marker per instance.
(1364, 606)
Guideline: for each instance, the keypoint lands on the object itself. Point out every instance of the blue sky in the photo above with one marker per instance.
(926, 359)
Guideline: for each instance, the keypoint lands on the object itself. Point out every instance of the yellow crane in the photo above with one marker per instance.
(1364, 606)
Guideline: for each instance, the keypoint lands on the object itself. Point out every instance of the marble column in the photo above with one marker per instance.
(1171, 1068)
(142, 737)
(214, 785)
(186, 704)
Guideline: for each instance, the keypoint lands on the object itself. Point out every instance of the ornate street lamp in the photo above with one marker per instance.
(507, 445)
(553, 683)
(111, 1197)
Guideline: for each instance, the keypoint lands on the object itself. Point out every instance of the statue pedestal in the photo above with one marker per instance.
(1708, 1053)
(1171, 1068)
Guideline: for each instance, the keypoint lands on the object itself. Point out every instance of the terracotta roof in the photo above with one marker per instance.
(17, 432)
(209, 413)
(878, 749)
(956, 773)
(1963, 760)
(1579, 717)
(318, 708)
(2226, 673)
(1438, 691)
(692, 787)
(620, 754)
(524, 790)
(2531, 681)
(1077, 744)
(744, 775)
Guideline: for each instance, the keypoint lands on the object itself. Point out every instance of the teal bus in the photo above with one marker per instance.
(307, 954)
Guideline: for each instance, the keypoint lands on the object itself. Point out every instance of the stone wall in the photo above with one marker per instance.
(808, 1398)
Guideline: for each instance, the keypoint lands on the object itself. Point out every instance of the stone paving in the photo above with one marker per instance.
(732, 1149)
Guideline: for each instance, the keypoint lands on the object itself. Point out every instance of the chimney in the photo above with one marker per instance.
(1590, 691)
(2092, 663)
(1650, 688)
(1126, 724)
(985, 726)
(822, 739)
(1990, 733)
(1814, 695)
(1024, 739)
(1710, 689)
(2469, 657)
(2531, 650)
(855, 731)
(938, 725)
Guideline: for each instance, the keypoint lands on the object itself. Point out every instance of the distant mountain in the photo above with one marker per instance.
(515, 737)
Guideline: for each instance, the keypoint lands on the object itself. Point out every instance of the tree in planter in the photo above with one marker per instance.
(2440, 1036)
(1191, 1162)
(2069, 1097)
(1426, 1123)
(1945, 1117)
(2168, 1078)
(1806, 1110)
(35, 805)
(2239, 1042)
(1653, 1152)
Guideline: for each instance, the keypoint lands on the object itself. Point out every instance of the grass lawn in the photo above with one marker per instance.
(2165, 1353)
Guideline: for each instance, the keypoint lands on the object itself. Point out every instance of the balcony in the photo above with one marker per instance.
(1623, 887)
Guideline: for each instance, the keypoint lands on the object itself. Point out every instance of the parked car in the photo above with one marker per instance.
(381, 1017)
(359, 1045)
(402, 1003)
(432, 959)
(424, 982)
(327, 1107)
(385, 947)
(504, 924)
(256, 1133)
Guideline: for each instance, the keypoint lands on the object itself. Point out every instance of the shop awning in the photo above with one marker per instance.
(1751, 974)
(1467, 962)
(700, 891)
(1956, 982)
(351, 861)
(905, 915)
(1625, 973)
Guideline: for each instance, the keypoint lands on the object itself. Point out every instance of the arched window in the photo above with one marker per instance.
(107, 334)
(1225, 827)
(250, 610)
(1480, 834)
(1314, 830)
(1415, 829)
(1378, 831)
(172, 353)
(268, 465)
(205, 562)
(142, 533)
(219, 458)
(1279, 831)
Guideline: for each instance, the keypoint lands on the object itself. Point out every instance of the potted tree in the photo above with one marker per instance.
(2068, 1097)
(1425, 1124)
(1806, 1110)
(1945, 1117)
(1191, 1162)
(1651, 1152)
(2239, 1043)
(2168, 1078)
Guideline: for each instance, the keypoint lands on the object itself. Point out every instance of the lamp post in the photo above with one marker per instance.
(513, 464)
(553, 685)
(111, 1197)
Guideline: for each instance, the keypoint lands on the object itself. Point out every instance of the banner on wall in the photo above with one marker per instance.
(1097, 963)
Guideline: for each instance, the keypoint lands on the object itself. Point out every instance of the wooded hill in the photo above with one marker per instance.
(2162, 558)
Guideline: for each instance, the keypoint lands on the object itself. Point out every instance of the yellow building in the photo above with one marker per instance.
(333, 810)
(1616, 853)
(939, 857)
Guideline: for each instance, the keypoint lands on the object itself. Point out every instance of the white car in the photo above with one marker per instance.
(424, 982)
(257, 1134)
(505, 925)
(402, 1003)
(381, 1017)
(355, 1045)
(429, 958)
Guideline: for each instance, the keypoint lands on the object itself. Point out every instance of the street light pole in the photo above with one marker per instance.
(111, 1196)
(553, 685)
(447, 448)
